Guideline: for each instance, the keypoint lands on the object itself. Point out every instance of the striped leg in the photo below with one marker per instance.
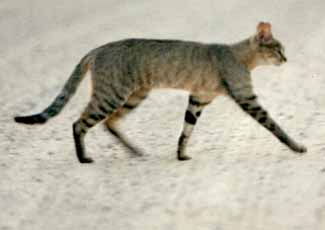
(193, 112)
(251, 106)
(242, 92)
(100, 107)
(133, 102)
(89, 119)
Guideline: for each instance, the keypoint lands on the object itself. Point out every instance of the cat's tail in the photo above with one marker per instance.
(62, 99)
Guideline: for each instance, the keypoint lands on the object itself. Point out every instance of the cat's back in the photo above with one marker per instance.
(152, 55)
(144, 47)
(222, 54)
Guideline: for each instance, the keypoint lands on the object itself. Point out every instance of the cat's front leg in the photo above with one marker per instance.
(251, 106)
(193, 112)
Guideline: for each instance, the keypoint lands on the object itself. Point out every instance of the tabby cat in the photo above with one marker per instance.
(124, 72)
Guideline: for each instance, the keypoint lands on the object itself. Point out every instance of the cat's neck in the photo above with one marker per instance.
(245, 52)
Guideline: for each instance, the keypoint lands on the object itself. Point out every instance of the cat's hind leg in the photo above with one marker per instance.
(101, 107)
(111, 123)
(193, 112)
(80, 128)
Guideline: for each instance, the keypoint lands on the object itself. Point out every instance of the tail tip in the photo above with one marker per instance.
(17, 119)
(34, 119)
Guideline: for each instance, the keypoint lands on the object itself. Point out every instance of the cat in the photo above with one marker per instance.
(124, 72)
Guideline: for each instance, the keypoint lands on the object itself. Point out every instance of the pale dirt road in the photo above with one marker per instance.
(240, 177)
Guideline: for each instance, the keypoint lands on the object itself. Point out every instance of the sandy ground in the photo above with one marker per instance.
(240, 176)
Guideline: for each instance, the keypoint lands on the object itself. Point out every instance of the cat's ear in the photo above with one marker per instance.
(263, 32)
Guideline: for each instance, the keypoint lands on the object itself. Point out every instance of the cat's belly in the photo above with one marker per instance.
(192, 83)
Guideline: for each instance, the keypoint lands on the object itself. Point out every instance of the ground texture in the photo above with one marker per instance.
(240, 176)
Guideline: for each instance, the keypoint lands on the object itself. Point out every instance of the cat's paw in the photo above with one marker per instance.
(184, 158)
(86, 160)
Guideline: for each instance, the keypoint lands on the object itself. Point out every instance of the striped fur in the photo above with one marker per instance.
(62, 99)
(124, 72)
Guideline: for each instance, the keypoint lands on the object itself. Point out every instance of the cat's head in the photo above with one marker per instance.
(269, 51)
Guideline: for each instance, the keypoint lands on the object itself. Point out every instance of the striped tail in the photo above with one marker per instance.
(62, 99)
